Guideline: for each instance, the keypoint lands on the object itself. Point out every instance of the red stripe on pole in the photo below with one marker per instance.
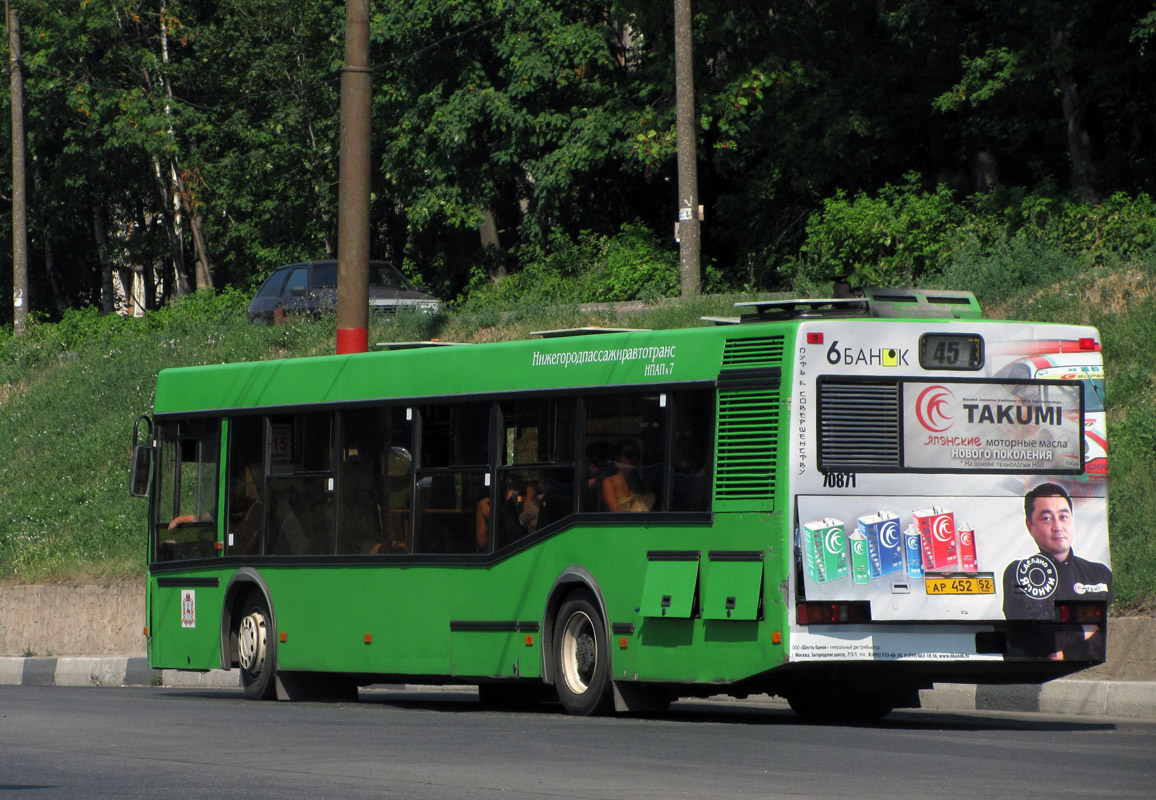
(352, 340)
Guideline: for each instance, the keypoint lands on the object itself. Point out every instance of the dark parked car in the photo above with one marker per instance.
(310, 288)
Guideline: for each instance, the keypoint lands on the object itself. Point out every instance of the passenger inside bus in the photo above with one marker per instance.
(533, 503)
(599, 463)
(508, 517)
(624, 489)
(286, 535)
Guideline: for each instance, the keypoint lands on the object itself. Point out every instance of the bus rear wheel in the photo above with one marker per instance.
(581, 658)
(256, 651)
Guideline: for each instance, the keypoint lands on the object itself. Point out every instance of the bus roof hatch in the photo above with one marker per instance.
(935, 303)
(872, 302)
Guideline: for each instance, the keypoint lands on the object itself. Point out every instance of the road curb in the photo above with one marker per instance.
(1127, 699)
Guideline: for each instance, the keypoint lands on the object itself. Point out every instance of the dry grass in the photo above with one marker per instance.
(1107, 293)
(1115, 292)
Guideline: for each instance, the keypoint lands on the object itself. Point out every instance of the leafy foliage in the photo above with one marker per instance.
(637, 266)
(892, 239)
(550, 123)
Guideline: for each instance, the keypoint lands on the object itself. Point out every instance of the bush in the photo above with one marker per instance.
(894, 239)
(1119, 225)
(550, 274)
(636, 267)
(996, 270)
(632, 265)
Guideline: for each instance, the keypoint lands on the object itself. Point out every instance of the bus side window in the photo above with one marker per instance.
(536, 475)
(185, 518)
(246, 485)
(374, 482)
(690, 460)
(451, 481)
(625, 452)
(299, 517)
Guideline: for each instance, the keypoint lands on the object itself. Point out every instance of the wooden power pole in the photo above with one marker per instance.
(353, 189)
(689, 228)
(19, 200)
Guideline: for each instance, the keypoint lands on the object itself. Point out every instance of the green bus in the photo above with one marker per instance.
(828, 500)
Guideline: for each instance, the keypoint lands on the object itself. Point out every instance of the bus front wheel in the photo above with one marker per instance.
(256, 649)
(581, 658)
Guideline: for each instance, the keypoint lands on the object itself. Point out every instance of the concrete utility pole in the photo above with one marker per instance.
(689, 229)
(353, 211)
(19, 201)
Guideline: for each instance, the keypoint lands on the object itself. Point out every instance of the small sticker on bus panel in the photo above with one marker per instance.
(188, 608)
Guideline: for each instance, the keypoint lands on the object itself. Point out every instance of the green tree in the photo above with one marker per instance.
(267, 74)
(493, 115)
(1055, 88)
(112, 146)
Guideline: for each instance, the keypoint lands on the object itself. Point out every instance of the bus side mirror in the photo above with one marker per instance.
(142, 459)
(142, 462)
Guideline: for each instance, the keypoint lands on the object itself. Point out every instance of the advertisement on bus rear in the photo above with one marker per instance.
(959, 483)
(1018, 427)
(936, 557)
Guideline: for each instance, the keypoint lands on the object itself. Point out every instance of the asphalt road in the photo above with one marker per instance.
(158, 743)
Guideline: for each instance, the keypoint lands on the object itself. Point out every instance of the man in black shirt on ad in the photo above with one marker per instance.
(1032, 585)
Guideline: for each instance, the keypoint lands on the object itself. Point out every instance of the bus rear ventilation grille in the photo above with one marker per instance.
(858, 426)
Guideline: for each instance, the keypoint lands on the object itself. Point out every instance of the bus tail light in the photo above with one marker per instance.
(1088, 343)
(833, 613)
(1081, 613)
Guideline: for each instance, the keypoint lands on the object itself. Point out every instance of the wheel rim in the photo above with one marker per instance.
(579, 652)
(252, 641)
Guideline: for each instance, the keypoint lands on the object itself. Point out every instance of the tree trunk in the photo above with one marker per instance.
(488, 230)
(984, 169)
(320, 170)
(148, 288)
(203, 268)
(144, 281)
(175, 192)
(107, 293)
(1085, 175)
(171, 221)
(50, 271)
